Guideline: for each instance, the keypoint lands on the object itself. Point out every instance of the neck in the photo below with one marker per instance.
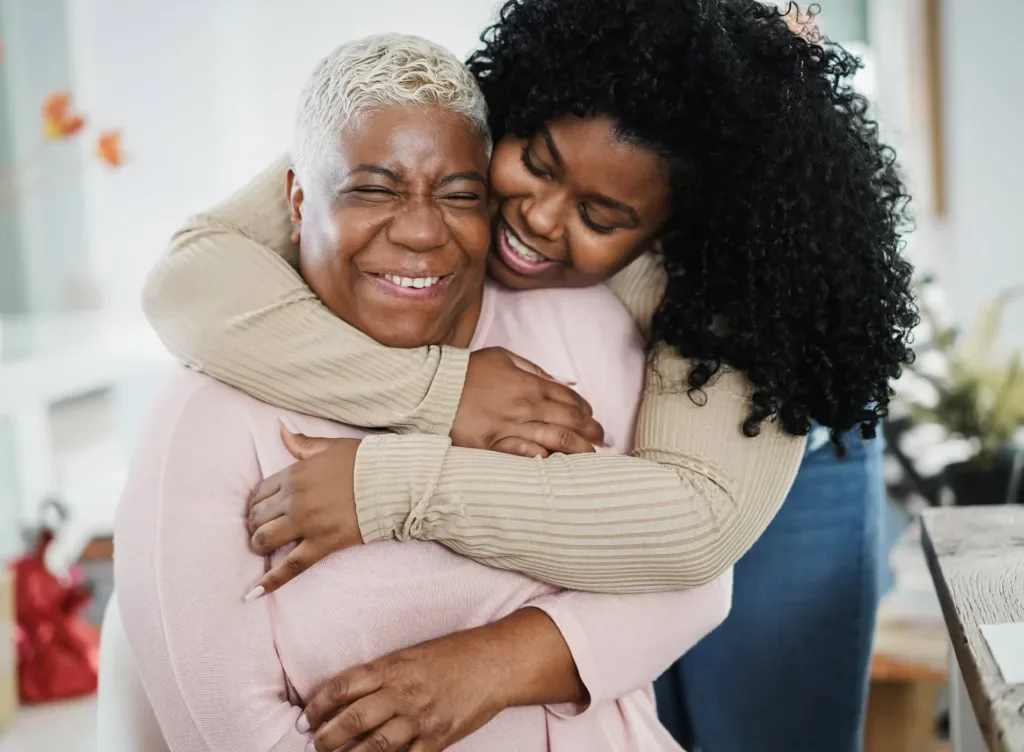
(462, 332)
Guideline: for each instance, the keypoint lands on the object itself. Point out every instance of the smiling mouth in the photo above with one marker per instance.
(517, 255)
(417, 283)
(411, 288)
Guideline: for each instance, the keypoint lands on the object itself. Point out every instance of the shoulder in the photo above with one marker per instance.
(201, 423)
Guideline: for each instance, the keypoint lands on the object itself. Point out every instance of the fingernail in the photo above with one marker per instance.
(302, 726)
(255, 593)
(567, 381)
(311, 747)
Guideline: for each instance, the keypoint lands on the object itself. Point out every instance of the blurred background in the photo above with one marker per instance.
(119, 118)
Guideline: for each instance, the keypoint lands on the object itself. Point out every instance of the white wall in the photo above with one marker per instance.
(205, 90)
(984, 118)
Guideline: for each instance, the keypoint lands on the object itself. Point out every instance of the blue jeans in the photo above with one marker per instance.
(788, 670)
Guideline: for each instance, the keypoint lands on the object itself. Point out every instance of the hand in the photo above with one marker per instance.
(428, 696)
(312, 502)
(511, 405)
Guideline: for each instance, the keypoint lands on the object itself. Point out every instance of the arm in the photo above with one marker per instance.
(620, 644)
(699, 493)
(692, 498)
(226, 299)
(440, 691)
(566, 651)
(208, 660)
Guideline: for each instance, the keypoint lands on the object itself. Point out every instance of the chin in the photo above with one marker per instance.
(407, 341)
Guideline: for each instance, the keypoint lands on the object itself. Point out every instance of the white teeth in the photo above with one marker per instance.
(417, 282)
(521, 249)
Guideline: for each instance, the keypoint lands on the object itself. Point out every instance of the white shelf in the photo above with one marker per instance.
(46, 361)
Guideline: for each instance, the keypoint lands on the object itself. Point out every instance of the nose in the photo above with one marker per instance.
(543, 213)
(418, 226)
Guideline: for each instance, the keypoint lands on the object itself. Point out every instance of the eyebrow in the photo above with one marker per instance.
(373, 169)
(468, 175)
(597, 198)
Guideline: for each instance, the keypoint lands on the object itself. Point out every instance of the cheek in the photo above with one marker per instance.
(329, 243)
(472, 231)
(600, 257)
(509, 176)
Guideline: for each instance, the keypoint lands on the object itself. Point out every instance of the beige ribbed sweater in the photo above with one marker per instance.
(692, 498)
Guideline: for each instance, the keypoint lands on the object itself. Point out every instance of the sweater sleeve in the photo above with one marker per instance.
(692, 498)
(621, 643)
(226, 299)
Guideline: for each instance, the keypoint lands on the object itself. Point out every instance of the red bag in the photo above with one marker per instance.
(58, 651)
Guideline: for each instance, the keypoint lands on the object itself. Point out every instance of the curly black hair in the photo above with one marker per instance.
(787, 209)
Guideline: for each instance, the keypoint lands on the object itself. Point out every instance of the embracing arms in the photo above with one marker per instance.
(692, 498)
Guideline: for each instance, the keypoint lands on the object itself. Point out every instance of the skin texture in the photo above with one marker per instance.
(580, 195)
(438, 692)
(408, 197)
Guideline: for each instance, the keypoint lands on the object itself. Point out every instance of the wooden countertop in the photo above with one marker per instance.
(976, 558)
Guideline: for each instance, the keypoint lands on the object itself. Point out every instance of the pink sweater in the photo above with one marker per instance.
(224, 675)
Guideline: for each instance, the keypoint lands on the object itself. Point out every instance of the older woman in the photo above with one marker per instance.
(389, 185)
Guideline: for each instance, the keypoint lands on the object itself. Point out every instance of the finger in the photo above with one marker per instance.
(273, 535)
(298, 560)
(361, 718)
(555, 392)
(301, 446)
(555, 438)
(266, 488)
(393, 735)
(572, 417)
(345, 688)
(536, 370)
(528, 366)
(521, 447)
(264, 511)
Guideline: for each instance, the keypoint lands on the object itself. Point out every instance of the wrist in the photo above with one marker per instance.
(532, 663)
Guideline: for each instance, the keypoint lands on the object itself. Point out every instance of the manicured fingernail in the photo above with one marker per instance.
(311, 747)
(255, 593)
(568, 381)
(302, 726)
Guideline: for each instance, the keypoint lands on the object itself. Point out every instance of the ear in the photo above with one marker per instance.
(295, 197)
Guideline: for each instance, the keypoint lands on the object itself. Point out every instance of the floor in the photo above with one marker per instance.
(60, 727)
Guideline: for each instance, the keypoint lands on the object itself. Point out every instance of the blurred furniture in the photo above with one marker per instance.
(908, 673)
(976, 557)
(44, 361)
(910, 652)
(124, 718)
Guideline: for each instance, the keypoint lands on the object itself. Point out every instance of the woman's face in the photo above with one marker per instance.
(574, 204)
(394, 232)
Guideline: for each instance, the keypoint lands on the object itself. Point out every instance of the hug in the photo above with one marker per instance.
(547, 333)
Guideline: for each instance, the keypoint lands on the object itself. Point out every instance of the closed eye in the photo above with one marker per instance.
(530, 166)
(461, 197)
(589, 222)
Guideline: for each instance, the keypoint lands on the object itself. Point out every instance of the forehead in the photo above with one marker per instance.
(420, 139)
(599, 161)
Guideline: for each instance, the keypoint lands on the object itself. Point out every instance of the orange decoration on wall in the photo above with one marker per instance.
(59, 121)
(108, 148)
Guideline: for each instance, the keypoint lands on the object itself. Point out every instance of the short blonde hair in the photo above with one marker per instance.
(373, 72)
